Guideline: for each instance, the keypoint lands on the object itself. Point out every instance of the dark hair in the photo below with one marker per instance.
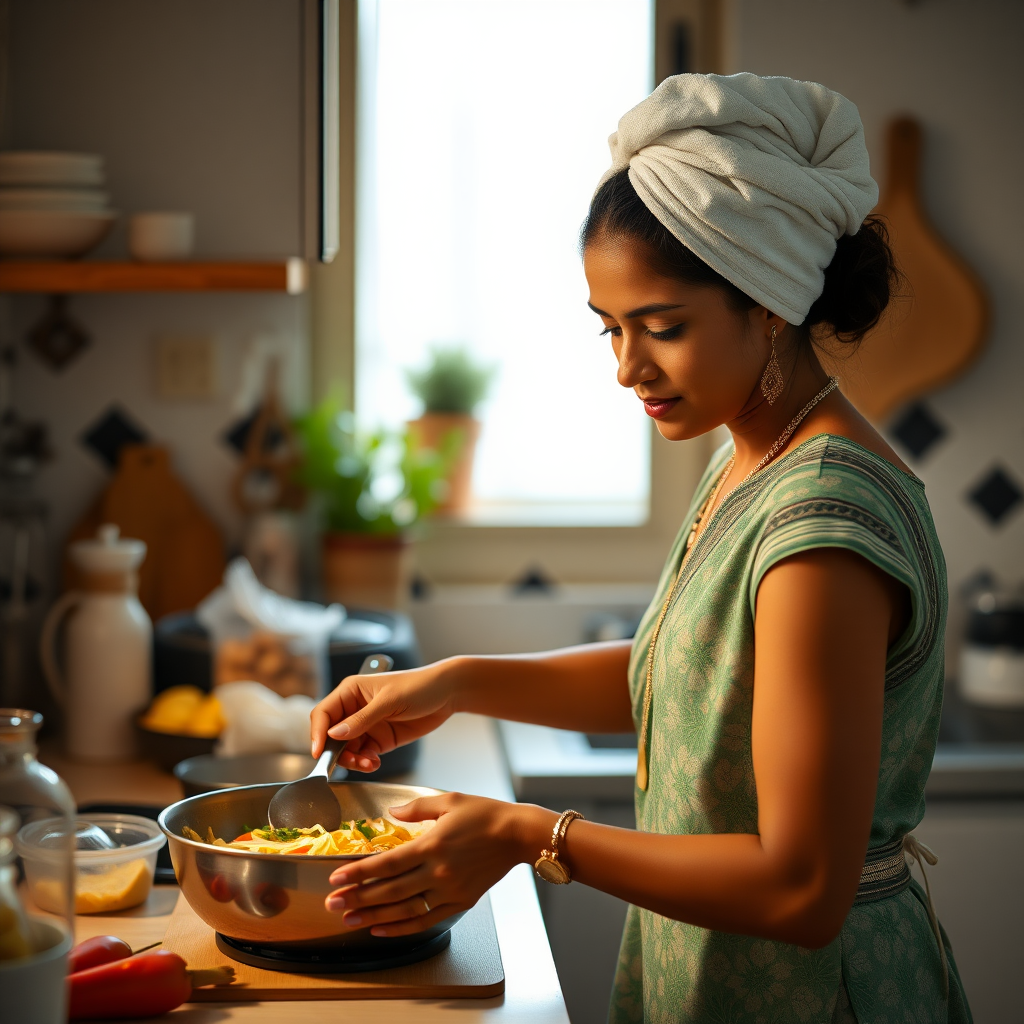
(858, 282)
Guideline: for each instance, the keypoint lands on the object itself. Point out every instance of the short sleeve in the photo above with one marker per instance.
(873, 515)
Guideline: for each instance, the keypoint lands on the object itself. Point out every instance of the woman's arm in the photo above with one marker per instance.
(583, 688)
(824, 623)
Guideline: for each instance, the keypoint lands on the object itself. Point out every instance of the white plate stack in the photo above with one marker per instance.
(52, 205)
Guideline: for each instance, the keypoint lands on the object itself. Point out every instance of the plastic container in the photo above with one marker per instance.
(106, 880)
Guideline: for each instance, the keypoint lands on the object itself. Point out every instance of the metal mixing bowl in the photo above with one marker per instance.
(276, 899)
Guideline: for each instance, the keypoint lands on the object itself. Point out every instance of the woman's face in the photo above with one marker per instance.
(693, 360)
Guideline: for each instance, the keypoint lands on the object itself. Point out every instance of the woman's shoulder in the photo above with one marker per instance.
(831, 464)
(830, 482)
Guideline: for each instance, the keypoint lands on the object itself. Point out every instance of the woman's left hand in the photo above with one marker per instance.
(474, 843)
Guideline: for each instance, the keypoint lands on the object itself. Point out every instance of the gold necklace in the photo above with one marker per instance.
(642, 778)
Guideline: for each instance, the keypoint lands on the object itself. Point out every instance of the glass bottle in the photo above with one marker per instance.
(15, 938)
(35, 792)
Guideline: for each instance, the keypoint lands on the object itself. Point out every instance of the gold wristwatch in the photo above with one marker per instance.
(547, 865)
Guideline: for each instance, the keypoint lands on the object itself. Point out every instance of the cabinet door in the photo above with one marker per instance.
(978, 890)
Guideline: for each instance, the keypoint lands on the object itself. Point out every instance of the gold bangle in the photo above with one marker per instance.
(548, 866)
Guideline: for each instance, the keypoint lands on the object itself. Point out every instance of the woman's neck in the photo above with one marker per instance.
(759, 425)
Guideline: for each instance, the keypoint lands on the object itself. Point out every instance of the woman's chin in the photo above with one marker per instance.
(677, 431)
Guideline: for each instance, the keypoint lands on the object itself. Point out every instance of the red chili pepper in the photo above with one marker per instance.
(100, 949)
(138, 986)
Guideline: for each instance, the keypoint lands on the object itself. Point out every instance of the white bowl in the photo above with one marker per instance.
(28, 168)
(79, 200)
(51, 233)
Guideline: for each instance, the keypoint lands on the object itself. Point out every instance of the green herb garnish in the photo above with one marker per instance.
(278, 835)
(365, 830)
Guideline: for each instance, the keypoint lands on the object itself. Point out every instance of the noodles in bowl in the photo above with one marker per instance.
(361, 836)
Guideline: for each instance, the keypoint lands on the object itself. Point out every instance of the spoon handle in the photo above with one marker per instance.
(328, 760)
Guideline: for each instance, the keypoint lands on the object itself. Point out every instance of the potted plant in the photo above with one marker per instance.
(450, 386)
(370, 489)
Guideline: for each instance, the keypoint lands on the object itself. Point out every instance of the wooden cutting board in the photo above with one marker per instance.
(470, 968)
(933, 332)
(184, 548)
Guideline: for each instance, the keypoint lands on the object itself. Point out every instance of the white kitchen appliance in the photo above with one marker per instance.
(108, 645)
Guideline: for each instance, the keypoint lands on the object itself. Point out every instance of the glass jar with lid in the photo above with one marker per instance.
(32, 977)
(15, 936)
(35, 792)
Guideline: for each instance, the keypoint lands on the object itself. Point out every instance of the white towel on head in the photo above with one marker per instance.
(757, 176)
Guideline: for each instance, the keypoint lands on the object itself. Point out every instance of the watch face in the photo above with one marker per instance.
(551, 871)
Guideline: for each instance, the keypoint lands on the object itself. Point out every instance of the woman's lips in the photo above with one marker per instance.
(658, 407)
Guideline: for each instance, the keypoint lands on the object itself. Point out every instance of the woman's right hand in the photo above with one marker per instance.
(376, 713)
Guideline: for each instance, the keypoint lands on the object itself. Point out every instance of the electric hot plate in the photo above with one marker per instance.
(327, 960)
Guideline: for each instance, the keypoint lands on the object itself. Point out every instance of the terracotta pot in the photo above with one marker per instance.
(366, 571)
(430, 431)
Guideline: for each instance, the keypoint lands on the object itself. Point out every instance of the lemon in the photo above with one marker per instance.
(208, 719)
(13, 943)
(172, 709)
(124, 886)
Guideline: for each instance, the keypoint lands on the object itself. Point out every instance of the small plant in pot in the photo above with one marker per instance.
(370, 488)
(450, 386)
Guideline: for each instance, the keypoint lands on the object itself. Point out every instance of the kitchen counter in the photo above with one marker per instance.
(464, 754)
(547, 763)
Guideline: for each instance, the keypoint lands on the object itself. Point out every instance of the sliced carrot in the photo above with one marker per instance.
(245, 837)
(303, 849)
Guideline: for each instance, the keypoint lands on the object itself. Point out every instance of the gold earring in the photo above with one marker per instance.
(771, 380)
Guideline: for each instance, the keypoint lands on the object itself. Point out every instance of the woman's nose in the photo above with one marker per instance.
(634, 362)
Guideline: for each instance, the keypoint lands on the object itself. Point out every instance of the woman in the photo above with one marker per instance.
(785, 683)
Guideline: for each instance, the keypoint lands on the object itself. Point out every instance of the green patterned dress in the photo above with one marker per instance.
(885, 965)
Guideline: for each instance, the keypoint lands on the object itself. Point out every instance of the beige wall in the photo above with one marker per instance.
(956, 66)
(196, 105)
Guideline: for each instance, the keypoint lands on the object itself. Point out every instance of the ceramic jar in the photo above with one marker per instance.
(106, 680)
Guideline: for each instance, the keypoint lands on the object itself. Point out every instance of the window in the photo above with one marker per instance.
(483, 130)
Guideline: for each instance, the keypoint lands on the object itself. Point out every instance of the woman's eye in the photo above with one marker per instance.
(668, 334)
(613, 331)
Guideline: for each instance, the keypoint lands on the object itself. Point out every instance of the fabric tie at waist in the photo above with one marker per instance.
(887, 873)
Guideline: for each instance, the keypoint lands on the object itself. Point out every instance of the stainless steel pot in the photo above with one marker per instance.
(275, 899)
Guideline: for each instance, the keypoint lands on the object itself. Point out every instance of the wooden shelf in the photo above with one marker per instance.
(60, 278)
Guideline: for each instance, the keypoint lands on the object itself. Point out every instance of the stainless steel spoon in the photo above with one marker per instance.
(311, 801)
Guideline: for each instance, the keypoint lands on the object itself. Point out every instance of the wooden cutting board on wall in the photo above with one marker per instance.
(184, 548)
(933, 331)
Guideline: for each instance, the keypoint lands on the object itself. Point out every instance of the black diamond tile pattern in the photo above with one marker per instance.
(111, 433)
(917, 430)
(237, 435)
(997, 495)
